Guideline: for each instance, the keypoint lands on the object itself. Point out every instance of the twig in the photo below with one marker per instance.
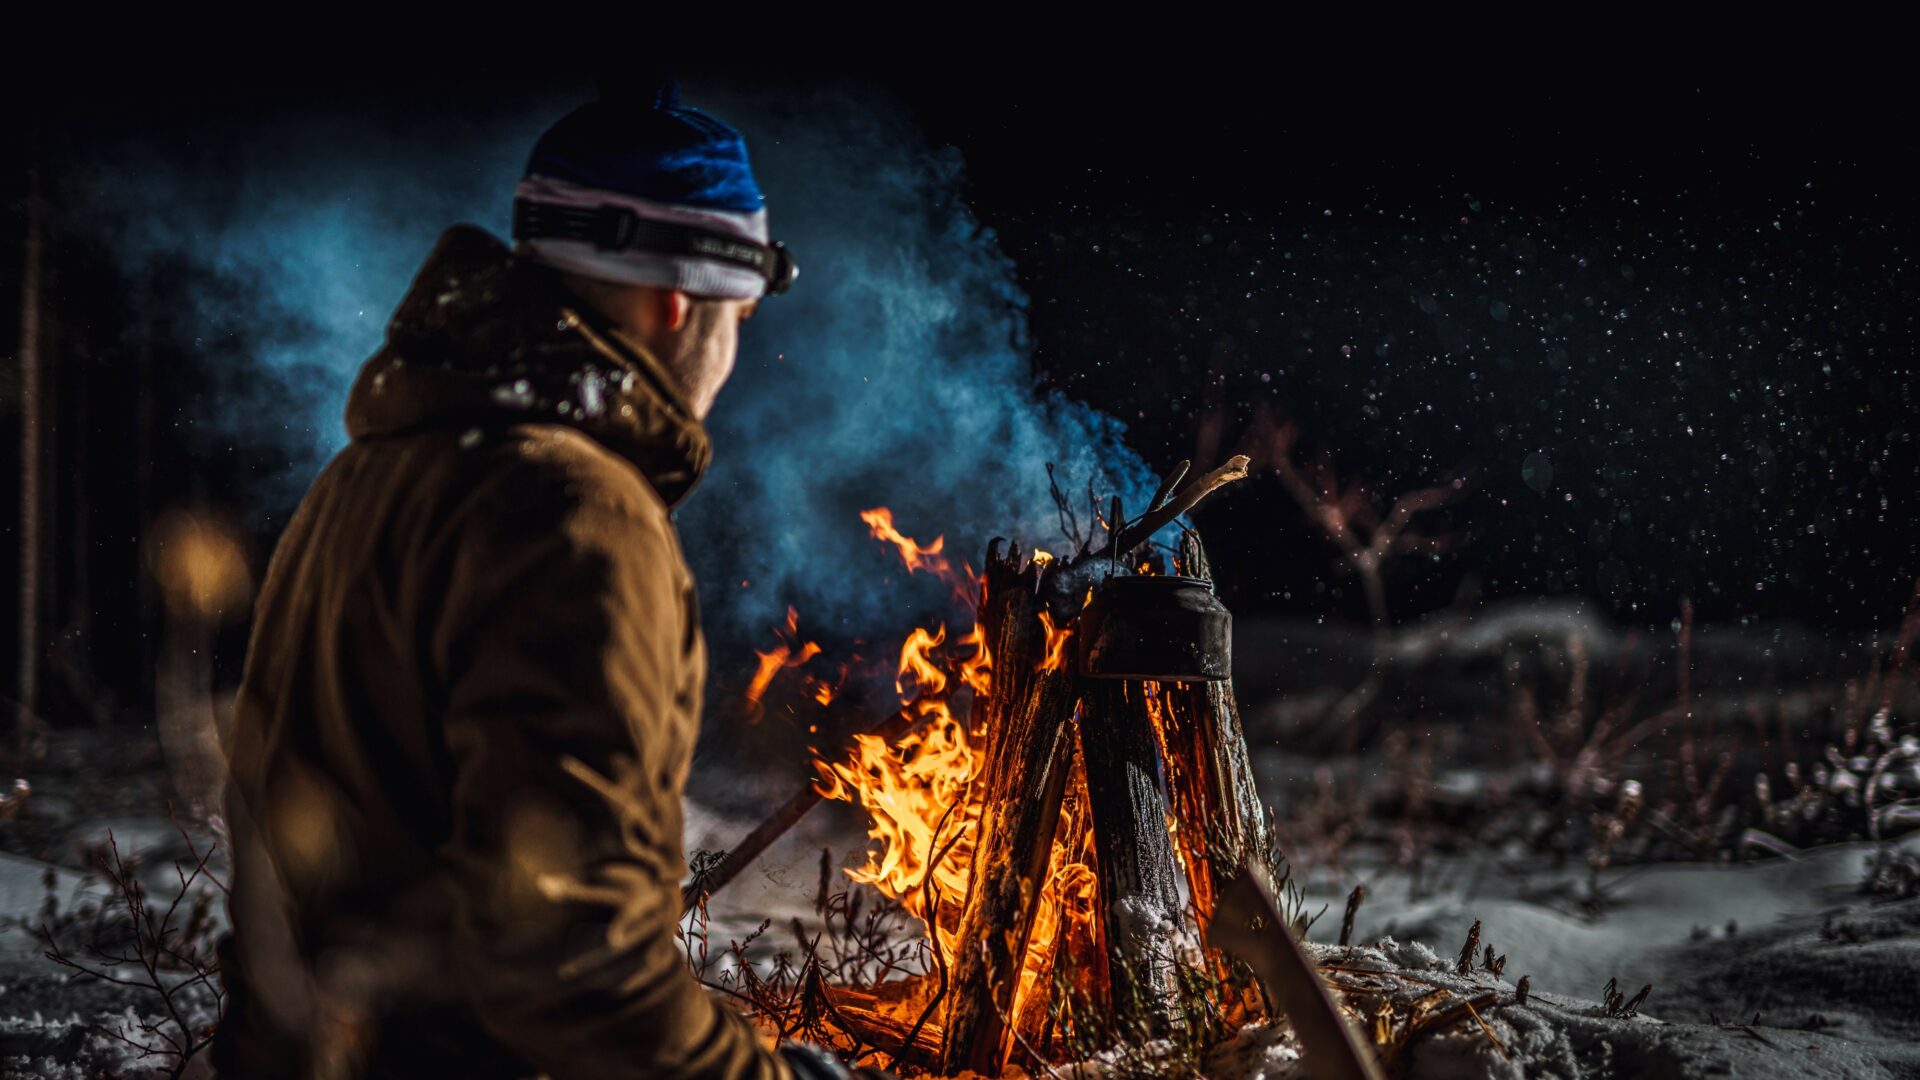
(1167, 485)
(157, 944)
(1487, 1031)
(1446, 1017)
(1179, 503)
(932, 902)
(784, 818)
(1749, 1031)
(1069, 521)
(1354, 900)
(1338, 510)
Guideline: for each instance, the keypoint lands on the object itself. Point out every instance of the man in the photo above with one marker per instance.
(475, 675)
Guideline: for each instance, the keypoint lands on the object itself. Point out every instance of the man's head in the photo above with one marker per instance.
(651, 214)
(696, 338)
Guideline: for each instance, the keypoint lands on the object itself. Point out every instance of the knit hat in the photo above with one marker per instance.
(641, 190)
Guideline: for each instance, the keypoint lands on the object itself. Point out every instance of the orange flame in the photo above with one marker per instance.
(880, 520)
(782, 655)
(918, 793)
(977, 670)
(909, 791)
(929, 680)
(1066, 901)
(1057, 637)
(923, 807)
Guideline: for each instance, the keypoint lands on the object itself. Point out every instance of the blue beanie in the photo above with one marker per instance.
(662, 163)
(651, 148)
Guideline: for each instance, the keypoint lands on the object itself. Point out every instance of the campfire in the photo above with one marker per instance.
(1063, 801)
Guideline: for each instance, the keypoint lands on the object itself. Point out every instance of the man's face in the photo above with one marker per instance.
(704, 348)
(697, 339)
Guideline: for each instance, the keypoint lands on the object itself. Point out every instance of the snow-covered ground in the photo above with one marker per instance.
(1776, 967)
(1770, 969)
(1793, 943)
(1557, 1036)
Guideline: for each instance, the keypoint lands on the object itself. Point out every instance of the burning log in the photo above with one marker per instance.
(1123, 730)
(1034, 838)
(854, 1012)
(1138, 895)
(1210, 786)
(1027, 718)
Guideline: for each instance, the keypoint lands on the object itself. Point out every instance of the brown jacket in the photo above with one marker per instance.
(469, 705)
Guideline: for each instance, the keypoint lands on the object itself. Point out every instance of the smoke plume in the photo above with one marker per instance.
(894, 374)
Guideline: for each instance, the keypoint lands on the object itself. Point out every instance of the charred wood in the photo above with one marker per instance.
(1029, 755)
(1139, 897)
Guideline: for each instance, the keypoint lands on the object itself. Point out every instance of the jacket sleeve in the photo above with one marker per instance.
(569, 723)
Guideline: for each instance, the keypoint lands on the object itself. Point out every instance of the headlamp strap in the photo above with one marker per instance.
(617, 228)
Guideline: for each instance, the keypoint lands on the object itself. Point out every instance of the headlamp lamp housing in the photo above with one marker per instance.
(783, 271)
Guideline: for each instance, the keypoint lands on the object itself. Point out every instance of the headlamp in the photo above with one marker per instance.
(784, 270)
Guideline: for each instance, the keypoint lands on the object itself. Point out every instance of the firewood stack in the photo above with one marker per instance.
(1160, 768)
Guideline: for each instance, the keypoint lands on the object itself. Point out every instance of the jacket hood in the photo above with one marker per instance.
(487, 340)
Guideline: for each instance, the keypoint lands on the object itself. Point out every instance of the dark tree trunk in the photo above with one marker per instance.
(28, 727)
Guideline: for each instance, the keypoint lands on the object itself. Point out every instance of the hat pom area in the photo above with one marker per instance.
(657, 90)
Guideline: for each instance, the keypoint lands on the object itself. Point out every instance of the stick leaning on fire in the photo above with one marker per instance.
(1072, 578)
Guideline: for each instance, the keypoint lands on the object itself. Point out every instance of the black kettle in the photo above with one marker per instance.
(1157, 627)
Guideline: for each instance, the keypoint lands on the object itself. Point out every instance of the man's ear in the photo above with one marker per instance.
(675, 306)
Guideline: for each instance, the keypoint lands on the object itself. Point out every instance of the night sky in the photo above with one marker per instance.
(1666, 333)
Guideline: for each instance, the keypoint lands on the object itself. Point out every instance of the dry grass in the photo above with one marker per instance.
(164, 952)
(1599, 771)
(798, 984)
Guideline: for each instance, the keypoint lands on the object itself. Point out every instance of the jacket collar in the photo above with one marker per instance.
(484, 339)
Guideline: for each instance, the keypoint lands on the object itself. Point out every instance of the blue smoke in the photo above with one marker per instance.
(894, 374)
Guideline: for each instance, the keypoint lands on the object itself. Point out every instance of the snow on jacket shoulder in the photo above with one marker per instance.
(470, 700)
